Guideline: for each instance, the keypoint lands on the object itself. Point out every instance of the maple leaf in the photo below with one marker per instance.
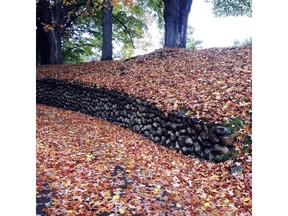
(115, 197)
(121, 211)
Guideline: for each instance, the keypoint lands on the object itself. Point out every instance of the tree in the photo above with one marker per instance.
(191, 42)
(107, 30)
(223, 8)
(52, 18)
(84, 38)
(176, 14)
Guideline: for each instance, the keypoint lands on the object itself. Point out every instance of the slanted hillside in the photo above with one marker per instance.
(87, 166)
(214, 84)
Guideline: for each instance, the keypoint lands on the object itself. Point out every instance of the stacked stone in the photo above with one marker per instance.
(176, 131)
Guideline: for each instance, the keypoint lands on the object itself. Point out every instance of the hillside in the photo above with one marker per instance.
(190, 95)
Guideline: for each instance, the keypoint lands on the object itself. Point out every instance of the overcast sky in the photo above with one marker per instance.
(217, 32)
(213, 31)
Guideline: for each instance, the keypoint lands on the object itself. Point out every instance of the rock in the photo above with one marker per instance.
(136, 128)
(227, 140)
(159, 131)
(157, 139)
(168, 142)
(204, 136)
(182, 132)
(188, 141)
(173, 137)
(236, 170)
(220, 149)
(211, 156)
(197, 147)
(155, 125)
(149, 127)
(184, 150)
(207, 143)
(207, 152)
(163, 140)
(146, 133)
(181, 140)
(219, 157)
(222, 130)
(214, 138)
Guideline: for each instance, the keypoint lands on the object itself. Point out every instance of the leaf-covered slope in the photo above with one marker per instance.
(92, 166)
(211, 83)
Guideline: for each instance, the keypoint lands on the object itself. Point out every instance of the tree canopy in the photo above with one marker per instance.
(223, 8)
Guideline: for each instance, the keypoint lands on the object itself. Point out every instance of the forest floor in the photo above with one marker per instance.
(87, 166)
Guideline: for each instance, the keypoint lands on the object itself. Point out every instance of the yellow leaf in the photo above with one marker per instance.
(116, 197)
(175, 106)
(70, 211)
(89, 157)
(207, 204)
(247, 199)
(226, 201)
(107, 193)
(226, 105)
(156, 190)
(121, 211)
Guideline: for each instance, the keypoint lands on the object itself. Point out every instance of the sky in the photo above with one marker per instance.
(215, 31)
(212, 31)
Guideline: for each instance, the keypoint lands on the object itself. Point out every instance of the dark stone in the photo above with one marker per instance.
(136, 128)
(197, 147)
(155, 125)
(188, 141)
(227, 140)
(184, 150)
(177, 133)
(177, 147)
(204, 136)
(147, 133)
(219, 157)
(157, 139)
(159, 131)
(211, 156)
(207, 143)
(214, 138)
(163, 140)
(207, 152)
(189, 150)
(220, 149)
(173, 137)
(168, 142)
(222, 130)
(183, 132)
(235, 170)
(182, 140)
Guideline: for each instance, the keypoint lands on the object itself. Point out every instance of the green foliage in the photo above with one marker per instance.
(247, 41)
(191, 42)
(84, 38)
(235, 124)
(223, 8)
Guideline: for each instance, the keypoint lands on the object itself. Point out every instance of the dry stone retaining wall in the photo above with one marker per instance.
(175, 131)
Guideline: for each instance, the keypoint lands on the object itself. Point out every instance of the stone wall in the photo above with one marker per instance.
(176, 131)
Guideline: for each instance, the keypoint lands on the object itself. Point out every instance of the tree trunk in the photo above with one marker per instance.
(48, 42)
(176, 14)
(107, 31)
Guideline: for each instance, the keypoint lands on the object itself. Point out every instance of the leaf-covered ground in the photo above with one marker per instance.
(87, 166)
(211, 83)
(215, 83)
